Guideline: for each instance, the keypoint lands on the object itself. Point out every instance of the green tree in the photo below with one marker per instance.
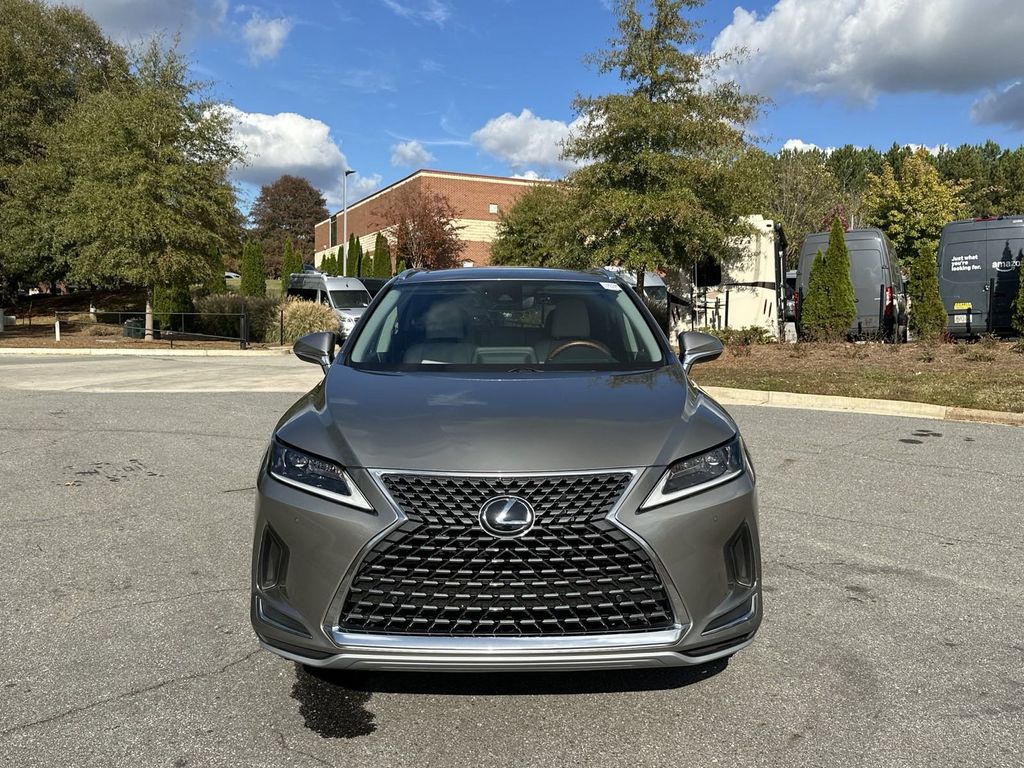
(51, 58)
(291, 262)
(142, 175)
(927, 312)
(214, 283)
(539, 230)
(828, 308)
(803, 195)
(658, 183)
(331, 263)
(913, 205)
(355, 256)
(171, 299)
(381, 256)
(253, 270)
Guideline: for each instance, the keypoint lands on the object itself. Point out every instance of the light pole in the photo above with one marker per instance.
(344, 222)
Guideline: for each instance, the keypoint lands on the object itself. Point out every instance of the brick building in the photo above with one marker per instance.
(478, 199)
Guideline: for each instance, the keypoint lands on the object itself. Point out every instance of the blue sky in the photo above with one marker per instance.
(485, 86)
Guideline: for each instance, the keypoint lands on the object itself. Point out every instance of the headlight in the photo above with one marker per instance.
(315, 475)
(698, 473)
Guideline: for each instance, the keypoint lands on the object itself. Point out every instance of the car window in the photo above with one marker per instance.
(506, 324)
(306, 294)
(350, 299)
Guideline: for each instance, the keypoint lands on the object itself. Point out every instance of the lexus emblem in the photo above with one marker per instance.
(506, 516)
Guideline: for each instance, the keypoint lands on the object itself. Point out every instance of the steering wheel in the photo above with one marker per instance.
(579, 343)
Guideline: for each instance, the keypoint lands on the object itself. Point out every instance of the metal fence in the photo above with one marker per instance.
(167, 326)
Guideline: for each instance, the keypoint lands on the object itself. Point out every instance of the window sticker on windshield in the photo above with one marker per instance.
(611, 286)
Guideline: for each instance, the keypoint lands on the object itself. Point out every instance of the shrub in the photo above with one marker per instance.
(828, 308)
(291, 262)
(302, 317)
(261, 312)
(170, 299)
(381, 256)
(99, 329)
(927, 313)
(754, 334)
(253, 270)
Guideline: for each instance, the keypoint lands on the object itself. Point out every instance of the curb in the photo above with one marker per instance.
(730, 396)
(114, 352)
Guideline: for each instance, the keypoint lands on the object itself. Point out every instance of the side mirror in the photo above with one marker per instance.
(696, 347)
(317, 348)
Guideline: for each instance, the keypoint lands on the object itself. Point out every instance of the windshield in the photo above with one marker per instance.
(350, 299)
(657, 293)
(506, 325)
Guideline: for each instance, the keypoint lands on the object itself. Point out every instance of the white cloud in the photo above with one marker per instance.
(433, 11)
(530, 175)
(1004, 106)
(857, 49)
(526, 140)
(297, 145)
(798, 145)
(134, 20)
(265, 36)
(408, 154)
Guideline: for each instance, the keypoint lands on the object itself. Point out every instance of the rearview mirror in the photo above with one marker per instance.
(696, 347)
(317, 348)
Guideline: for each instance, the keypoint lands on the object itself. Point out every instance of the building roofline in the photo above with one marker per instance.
(430, 173)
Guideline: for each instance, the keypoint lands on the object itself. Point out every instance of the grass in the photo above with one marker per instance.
(987, 375)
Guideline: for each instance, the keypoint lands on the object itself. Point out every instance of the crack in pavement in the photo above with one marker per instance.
(901, 529)
(142, 603)
(287, 748)
(127, 695)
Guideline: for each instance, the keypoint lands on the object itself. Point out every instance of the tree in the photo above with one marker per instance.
(254, 270)
(913, 205)
(927, 312)
(540, 230)
(331, 263)
(381, 256)
(214, 284)
(290, 207)
(658, 182)
(803, 197)
(850, 167)
(291, 262)
(828, 308)
(51, 58)
(355, 256)
(422, 228)
(136, 180)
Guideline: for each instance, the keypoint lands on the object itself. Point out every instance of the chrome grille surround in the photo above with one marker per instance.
(436, 574)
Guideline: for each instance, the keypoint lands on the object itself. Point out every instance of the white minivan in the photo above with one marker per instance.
(347, 296)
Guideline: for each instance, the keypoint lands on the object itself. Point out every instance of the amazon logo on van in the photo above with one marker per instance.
(1006, 266)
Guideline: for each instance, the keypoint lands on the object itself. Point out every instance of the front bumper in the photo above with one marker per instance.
(715, 615)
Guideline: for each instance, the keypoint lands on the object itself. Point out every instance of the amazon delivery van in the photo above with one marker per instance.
(979, 274)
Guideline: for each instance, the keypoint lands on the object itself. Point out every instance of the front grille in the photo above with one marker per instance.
(440, 573)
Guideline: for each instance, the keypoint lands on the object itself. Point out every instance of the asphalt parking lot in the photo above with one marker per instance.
(892, 636)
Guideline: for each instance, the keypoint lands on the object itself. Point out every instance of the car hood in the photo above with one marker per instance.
(350, 312)
(505, 422)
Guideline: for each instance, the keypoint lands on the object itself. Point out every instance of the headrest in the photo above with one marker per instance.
(571, 320)
(445, 321)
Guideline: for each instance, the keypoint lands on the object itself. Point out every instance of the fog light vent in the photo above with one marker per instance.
(739, 558)
(273, 561)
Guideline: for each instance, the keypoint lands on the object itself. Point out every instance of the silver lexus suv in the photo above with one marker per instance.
(506, 469)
